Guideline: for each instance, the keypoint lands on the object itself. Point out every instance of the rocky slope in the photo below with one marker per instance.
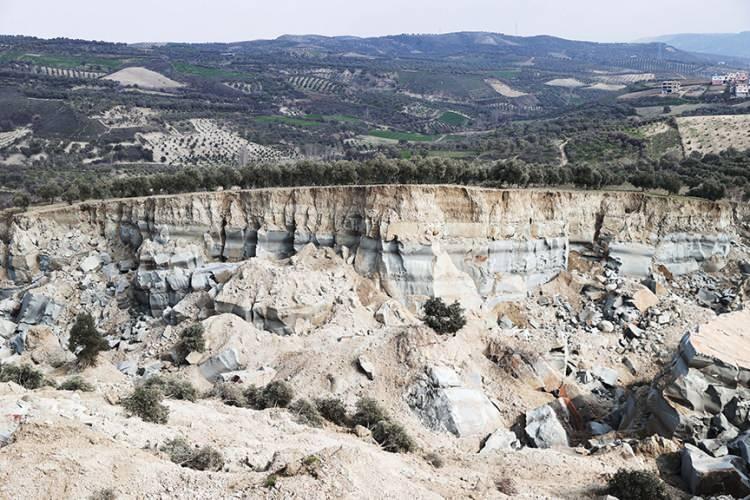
(574, 352)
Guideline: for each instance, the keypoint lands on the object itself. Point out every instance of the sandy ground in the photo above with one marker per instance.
(503, 89)
(144, 78)
(8, 138)
(609, 87)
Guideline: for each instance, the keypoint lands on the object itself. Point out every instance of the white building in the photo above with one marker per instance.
(719, 80)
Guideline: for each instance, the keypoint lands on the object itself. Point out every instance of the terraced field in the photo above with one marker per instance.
(503, 89)
(245, 87)
(207, 144)
(289, 120)
(8, 138)
(713, 134)
(314, 84)
(65, 72)
(123, 117)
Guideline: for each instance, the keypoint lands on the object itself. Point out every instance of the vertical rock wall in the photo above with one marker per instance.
(418, 241)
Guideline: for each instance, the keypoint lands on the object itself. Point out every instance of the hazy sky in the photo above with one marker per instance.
(235, 20)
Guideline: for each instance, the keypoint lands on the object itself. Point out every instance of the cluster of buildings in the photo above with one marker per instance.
(738, 83)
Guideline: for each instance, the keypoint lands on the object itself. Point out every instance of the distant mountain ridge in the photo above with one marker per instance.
(725, 44)
(467, 41)
(480, 48)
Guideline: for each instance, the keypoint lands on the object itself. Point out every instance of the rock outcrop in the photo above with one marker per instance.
(479, 245)
(705, 392)
(444, 403)
(703, 398)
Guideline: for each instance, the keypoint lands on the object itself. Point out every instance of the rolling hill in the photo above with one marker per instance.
(725, 44)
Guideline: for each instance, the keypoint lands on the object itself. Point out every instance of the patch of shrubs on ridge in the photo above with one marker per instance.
(146, 400)
(182, 453)
(389, 434)
(26, 376)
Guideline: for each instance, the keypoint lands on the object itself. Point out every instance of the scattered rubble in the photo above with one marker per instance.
(565, 363)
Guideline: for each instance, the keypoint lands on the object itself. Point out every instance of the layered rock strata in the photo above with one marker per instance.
(476, 245)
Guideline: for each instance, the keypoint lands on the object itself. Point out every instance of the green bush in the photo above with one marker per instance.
(709, 189)
(173, 388)
(443, 318)
(178, 449)
(271, 481)
(333, 410)
(637, 485)
(206, 458)
(389, 434)
(76, 383)
(146, 403)
(191, 340)
(434, 459)
(21, 200)
(392, 437)
(277, 394)
(85, 341)
(183, 454)
(229, 393)
(24, 375)
(506, 486)
(104, 494)
(369, 413)
(306, 413)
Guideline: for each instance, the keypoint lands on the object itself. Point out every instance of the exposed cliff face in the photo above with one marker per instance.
(469, 243)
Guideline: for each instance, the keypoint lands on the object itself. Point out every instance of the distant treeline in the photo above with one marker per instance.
(706, 176)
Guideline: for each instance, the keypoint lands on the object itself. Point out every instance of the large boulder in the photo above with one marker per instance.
(706, 475)
(499, 441)
(543, 427)
(445, 404)
(45, 347)
(232, 344)
(7, 328)
(706, 388)
(223, 362)
(37, 309)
